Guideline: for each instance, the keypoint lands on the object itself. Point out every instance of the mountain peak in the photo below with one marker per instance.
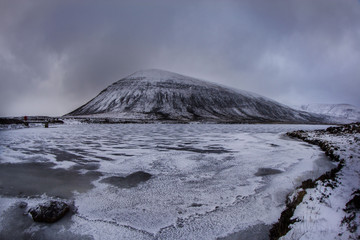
(159, 95)
(153, 71)
(155, 74)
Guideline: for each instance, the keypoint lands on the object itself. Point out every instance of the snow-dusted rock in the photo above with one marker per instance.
(160, 95)
(49, 212)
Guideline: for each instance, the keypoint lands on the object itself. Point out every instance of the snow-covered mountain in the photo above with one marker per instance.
(153, 95)
(344, 112)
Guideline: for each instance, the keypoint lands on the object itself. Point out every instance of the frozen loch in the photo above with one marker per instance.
(152, 181)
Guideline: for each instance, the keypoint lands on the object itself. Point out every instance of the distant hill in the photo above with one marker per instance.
(340, 112)
(157, 95)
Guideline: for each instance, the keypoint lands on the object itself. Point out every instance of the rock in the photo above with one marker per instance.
(49, 212)
(353, 204)
(23, 205)
(281, 227)
(308, 184)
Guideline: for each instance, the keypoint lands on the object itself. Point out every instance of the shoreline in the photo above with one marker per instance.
(290, 222)
(114, 120)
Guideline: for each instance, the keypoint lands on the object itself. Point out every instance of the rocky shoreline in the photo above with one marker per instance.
(337, 192)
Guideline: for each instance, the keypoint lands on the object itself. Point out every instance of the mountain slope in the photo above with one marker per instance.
(340, 111)
(161, 95)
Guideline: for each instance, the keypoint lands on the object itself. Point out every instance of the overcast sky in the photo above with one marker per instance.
(57, 55)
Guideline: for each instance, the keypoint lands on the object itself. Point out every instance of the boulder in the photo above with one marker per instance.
(49, 212)
(354, 203)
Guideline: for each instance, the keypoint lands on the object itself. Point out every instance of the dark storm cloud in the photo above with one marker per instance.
(56, 55)
(292, 51)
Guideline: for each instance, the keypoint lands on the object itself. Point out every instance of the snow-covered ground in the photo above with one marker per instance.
(324, 212)
(344, 113)
(208, 181)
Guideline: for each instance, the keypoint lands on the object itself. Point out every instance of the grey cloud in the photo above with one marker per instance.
(292, 51)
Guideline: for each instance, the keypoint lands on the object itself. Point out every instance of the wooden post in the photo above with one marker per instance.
(25, 121)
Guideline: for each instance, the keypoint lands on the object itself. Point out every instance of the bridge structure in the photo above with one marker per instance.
(40, 120)
(46, 123)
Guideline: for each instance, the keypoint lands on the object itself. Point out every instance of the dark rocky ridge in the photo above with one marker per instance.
(164, 96)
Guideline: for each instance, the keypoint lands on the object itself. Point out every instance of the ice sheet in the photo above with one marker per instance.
(204, 182)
